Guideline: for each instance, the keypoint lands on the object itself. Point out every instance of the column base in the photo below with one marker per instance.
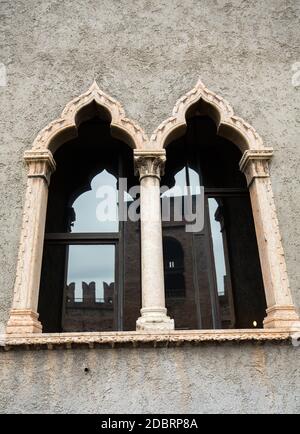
(23, 321)
(282, 317)
(154, 319)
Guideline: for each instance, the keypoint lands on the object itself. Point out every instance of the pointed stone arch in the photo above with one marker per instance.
(78, 110)
(229, 125)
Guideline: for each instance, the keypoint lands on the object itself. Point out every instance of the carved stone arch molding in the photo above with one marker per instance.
(228, 124)
(78, 110)
(40, 163)
(281, 311)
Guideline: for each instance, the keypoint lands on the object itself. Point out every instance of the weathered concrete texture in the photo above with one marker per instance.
(147, 53)
(211, 378)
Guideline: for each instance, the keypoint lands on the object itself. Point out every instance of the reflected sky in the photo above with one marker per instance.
(91, 263)
(181, 183)
(92, 206)
(218, 247)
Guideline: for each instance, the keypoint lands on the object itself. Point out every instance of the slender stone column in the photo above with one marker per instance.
(23, 315)
(281, 311)
(149, 165)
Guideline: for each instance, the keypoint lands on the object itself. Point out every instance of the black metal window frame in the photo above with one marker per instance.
(101, 238)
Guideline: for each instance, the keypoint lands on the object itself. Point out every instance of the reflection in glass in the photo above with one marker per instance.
(96, 210)
(173, 268)
(217, 242)
(223, 310)
(177, 246)
(186, 182)
(222, 274)
(78, 287)
(90, 288)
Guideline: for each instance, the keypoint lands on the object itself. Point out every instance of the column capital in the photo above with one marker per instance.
(149, 162)
(254, 163)
(40, 164)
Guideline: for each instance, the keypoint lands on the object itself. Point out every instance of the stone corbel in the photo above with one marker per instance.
(40, 164)
(254, 164)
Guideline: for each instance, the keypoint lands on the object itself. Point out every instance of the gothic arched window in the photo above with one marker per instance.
(87, 283)
(223, 281)
(90, 277)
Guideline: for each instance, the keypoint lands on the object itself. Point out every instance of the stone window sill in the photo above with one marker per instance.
(141, 339)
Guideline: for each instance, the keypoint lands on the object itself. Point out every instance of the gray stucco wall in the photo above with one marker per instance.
(148, 53)
(211, 378)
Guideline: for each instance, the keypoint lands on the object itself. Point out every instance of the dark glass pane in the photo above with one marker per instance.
(221, 272)
(215, 159)
(213, 278)
(179, 276)
(132, 275)
(52, 286)
(245, 270)
(77, 291)
(203, 281)
(174, 268)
